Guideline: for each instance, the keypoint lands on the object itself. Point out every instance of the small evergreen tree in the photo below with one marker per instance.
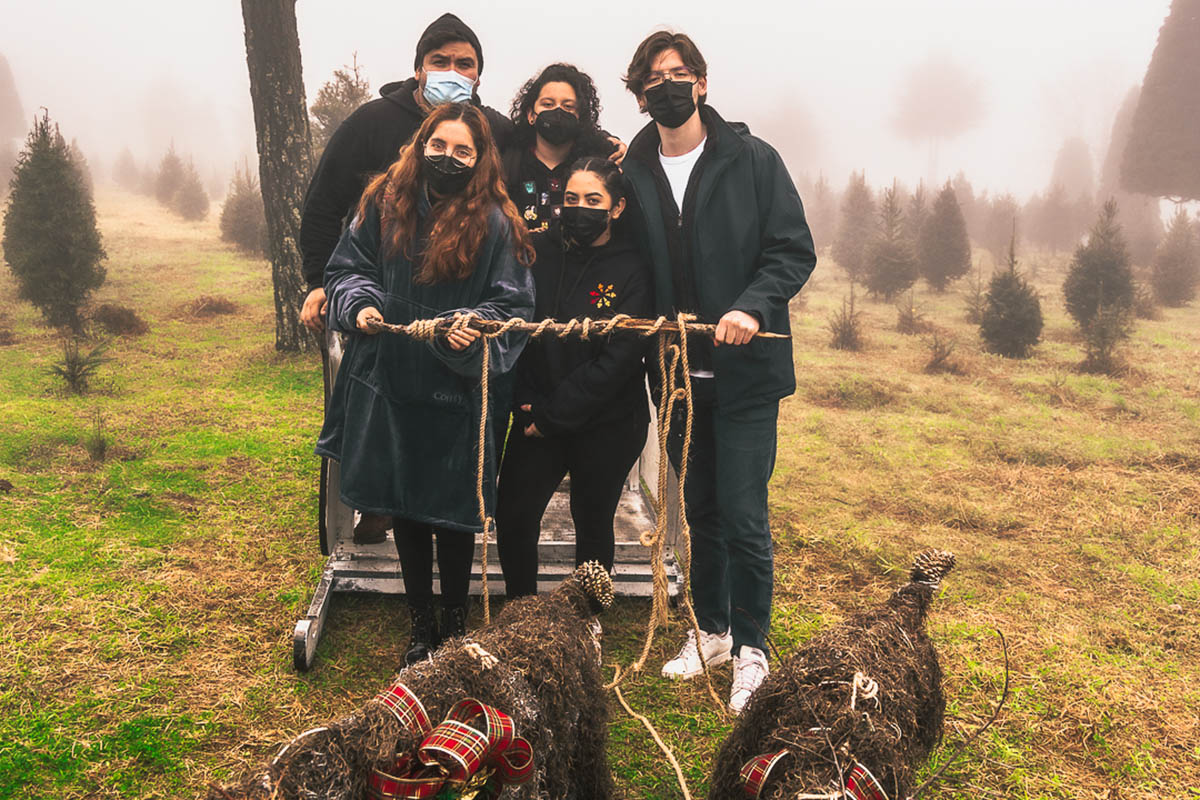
(243, 223)
(51, 242)
(1100, 272)
(1011, 322)
(337, 99)
(856, 227)
(126, 172)
(891, 266)
(944, 250)
(190, 200)
(1176, 268)
(169, 178)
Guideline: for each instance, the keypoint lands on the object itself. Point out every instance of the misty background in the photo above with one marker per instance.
(822, 80)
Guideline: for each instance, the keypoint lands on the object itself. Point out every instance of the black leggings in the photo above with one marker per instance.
(455, 554)
(598, 461)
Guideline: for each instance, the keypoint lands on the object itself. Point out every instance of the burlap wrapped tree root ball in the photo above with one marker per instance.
(537, 662)
(859, 705)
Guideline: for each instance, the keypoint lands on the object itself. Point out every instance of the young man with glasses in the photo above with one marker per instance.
(718, 216)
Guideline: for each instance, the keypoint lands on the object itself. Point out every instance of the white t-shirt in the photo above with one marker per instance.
(679, 170)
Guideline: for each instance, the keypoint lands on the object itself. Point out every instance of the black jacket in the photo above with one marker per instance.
(572, 384)
(747, 245)
(535, 189)
(364, 145)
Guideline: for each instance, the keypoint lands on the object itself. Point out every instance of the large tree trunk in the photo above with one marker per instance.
(284, 152)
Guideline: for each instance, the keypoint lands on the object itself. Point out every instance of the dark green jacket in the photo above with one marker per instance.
(403, 417)
(750, 245)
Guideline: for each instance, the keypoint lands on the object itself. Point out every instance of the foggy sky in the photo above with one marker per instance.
(818, 78)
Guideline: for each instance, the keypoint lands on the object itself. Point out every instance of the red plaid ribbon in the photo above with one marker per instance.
(756, 771)
(412, 716)
(860, 783)
(473, 736)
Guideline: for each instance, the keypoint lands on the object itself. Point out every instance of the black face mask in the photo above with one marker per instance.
(445, 174)
(557, 126)
(582, 226)
(670, 103)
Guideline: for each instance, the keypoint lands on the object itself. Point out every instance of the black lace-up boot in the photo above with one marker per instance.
(454, 620)
(425, 637)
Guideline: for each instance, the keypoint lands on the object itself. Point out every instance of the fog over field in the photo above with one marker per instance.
(820, 79)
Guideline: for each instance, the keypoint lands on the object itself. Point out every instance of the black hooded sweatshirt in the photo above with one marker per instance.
(364, 145)
(571, 384)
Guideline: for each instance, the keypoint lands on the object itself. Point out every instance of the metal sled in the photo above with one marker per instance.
(375, 568)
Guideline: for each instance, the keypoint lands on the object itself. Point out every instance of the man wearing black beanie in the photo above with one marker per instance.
(447, 65)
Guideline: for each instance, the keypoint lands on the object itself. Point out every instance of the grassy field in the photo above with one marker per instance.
(149, 598)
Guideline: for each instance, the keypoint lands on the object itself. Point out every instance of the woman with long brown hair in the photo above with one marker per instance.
(433, 236)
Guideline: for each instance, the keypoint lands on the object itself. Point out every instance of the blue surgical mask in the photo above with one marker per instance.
(448, 87)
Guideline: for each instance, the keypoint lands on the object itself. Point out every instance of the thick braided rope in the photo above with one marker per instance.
(671, 393)
(461, 320)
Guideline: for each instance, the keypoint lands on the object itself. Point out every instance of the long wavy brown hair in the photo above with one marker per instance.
(460, 221)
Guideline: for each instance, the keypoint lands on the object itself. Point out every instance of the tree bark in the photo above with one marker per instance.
(284, 152)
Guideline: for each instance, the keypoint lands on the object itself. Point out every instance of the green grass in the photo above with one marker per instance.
(145, 637)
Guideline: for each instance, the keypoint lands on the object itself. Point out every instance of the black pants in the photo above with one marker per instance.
(730, 462)
(598, 460)
(455, 552)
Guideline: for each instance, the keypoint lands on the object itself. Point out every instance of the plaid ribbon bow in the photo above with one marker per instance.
(474, 744)
(860, 783)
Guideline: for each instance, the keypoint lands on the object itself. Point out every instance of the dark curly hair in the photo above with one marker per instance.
(587, 105)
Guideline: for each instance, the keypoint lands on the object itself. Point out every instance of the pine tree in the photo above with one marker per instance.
(169, 178)
(944, 251)
(891, 266)
(190, 200)
(1163, 154)
(1011, 322)
(1100, 273)
(336, 100)
(243, 223)
(856, 228)
(1176, 268)
(126, 172)
(51, 242)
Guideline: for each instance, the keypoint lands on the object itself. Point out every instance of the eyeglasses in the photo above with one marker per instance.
(679, 74)
(463, 153)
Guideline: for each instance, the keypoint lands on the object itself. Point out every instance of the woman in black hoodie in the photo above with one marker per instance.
(579, 407)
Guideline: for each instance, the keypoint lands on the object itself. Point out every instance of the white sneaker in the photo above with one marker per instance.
(749, 671)
(716, 648)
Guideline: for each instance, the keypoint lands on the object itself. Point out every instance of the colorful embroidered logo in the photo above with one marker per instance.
(603, 295)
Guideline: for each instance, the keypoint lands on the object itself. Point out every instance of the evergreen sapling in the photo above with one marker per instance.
(1011, 322)
(1100, 272)
(891, 265)
(50, 241)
